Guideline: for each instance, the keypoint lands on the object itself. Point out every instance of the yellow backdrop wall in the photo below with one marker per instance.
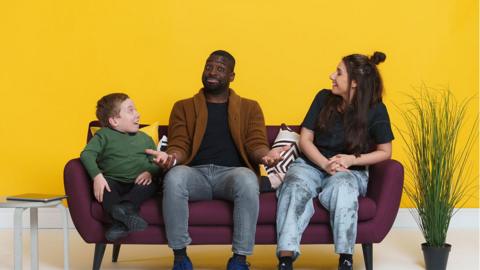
(58, 57)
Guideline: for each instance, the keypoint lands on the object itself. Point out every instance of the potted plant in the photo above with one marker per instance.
(437, 165)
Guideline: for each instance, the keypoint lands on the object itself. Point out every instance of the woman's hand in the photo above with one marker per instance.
(345, 161)
(332, 167)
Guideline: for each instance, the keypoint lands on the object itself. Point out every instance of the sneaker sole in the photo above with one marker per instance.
(115, 236)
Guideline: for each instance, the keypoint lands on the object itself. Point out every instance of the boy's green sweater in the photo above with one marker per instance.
(119, 156)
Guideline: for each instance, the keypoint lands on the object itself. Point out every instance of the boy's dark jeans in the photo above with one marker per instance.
(127, 192)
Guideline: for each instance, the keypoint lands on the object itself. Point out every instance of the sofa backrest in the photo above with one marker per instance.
(272, 131)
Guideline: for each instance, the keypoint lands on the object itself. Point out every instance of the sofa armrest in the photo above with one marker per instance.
(78, 188)
(385, 187)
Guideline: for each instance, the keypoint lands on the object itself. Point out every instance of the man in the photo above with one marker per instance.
(219, 138)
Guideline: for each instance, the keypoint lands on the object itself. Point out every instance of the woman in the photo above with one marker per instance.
(345, 130)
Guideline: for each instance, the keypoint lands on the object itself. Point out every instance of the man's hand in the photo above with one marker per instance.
(99, 185)
(274, 156)
(144, 179)
(162, 159)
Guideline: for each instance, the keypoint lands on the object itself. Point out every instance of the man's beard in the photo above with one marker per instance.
(214, 90)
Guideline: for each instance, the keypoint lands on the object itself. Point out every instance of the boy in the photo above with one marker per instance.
(116, 161)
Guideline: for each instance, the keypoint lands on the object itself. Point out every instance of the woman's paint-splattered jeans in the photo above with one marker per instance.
(338, 193)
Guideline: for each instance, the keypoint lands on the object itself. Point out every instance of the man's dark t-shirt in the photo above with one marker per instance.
(217, 145)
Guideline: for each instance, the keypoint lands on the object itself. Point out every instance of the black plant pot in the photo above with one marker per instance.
(436, 257)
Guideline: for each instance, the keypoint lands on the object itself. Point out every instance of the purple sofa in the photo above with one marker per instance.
(210, 222)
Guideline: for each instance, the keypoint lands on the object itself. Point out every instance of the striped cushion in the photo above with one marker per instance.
(285, 137)
(162, 144)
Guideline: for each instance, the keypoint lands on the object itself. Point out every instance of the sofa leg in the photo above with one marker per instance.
(98, 256)
(116, 250)
(368, 256)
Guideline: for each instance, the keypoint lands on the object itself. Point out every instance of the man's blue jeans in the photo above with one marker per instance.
(338, 193)
(206, 182)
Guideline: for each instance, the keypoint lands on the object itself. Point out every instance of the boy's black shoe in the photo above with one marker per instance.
(124, 213)
(116, 231)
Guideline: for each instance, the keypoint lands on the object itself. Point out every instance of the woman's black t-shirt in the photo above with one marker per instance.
(332, 142)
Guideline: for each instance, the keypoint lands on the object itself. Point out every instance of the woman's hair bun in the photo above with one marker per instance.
(378, 57)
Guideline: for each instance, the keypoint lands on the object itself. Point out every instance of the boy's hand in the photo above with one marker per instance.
(144, 179)
(99, 185)
(162, 159)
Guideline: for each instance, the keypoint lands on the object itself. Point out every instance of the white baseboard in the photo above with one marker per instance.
(465, 218)
(50, 218)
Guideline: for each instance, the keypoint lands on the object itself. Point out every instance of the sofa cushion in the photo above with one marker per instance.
(219, 212)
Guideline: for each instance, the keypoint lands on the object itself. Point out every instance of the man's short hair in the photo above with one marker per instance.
(225, 55)
(109, 106)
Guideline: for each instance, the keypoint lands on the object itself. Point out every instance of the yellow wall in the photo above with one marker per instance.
(58, 57)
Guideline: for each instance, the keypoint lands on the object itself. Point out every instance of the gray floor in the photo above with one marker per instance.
(400, 250)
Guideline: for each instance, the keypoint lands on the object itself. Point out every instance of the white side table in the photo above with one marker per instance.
(21, 206)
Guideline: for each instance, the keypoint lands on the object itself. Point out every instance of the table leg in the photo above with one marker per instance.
(34, 237)
(64, 211)
(18, 248)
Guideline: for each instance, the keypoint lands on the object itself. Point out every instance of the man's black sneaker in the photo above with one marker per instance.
(235, 264)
